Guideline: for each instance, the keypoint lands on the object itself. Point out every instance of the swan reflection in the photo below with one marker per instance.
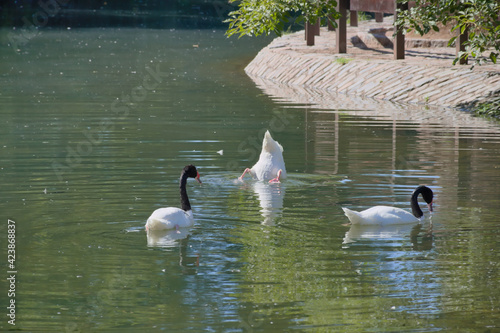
(270, 197)
(166, 238)
(420, 238)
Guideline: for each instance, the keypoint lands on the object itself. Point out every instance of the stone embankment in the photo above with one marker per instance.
(425, 76)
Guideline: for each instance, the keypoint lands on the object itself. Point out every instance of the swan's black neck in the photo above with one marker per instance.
(426, 194)
(185, 205)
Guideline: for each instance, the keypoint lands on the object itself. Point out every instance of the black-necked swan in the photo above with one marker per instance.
(270, 165)
(384, 215)
(173, 217)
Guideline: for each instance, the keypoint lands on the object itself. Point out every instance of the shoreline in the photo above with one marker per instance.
(426, 76)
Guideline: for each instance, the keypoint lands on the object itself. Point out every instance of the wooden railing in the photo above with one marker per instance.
(379, 7)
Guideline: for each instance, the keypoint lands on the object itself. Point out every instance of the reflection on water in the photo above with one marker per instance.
(89, 151)
(166, 238)
(270, 198)
(418, 235)
(445, 119)
(376, 232)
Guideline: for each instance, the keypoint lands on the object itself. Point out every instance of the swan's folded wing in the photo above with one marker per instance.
(380, 215)
(385, 215)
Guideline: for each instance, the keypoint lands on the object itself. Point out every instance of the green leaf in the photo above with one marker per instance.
(493, 57)
(480, 17)
(451, 41)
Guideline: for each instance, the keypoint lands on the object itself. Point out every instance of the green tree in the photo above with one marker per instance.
(257, 17)
(481, 18)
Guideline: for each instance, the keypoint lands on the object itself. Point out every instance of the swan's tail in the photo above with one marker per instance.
(270, 145)
(352, 215)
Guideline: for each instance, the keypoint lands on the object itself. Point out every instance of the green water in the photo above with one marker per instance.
(96, 127)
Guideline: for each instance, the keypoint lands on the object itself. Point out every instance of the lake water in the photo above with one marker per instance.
(96, 127)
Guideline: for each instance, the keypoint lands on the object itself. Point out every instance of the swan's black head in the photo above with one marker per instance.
(426, 192)
(428, 197)
(191, 172)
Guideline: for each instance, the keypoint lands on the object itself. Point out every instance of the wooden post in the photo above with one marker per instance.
(354, 18)
(460, 44)
(330, 25)
(399, 38)
(341, 31)
(309, 34)
(379, 17)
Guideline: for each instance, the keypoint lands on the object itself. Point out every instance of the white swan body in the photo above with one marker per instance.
(385, 215)
(173, 217)
(170, 218)
(270, 165)
(380, 215)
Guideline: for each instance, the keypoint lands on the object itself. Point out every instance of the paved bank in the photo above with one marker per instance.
(426, 75)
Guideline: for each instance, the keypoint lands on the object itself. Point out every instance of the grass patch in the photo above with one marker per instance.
(342, 60)
(490, 108)
(362, 16)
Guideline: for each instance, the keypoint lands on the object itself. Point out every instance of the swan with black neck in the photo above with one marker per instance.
(386, 215)
(173, 217)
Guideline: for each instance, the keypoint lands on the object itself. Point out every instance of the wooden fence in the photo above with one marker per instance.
(379, 7)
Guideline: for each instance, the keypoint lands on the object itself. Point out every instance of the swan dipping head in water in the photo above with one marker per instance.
(385, 215)
(270, 166)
